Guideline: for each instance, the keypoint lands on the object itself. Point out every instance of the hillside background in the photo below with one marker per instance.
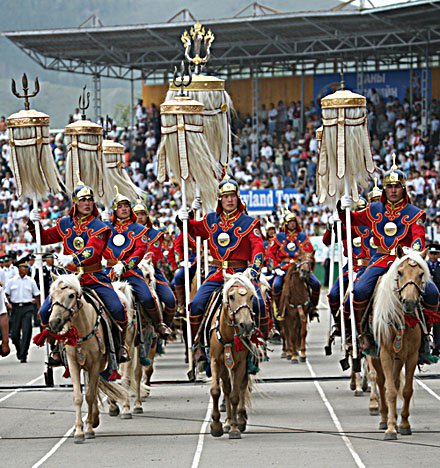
(60, 91)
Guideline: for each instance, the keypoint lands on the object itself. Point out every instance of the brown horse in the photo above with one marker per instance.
(234, 324)
(396, 316)
(295, 304)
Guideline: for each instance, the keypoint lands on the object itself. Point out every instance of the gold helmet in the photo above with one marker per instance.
(288, 216)
(270, 226)
(361, 204)
(394, 176)
(119, 199)
(375, 193)
(81, 191)
(228, 185)
(140, 207)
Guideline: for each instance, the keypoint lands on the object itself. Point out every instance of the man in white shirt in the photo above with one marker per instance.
(4, 324)
(22, 293)
(9, 269)
(266, 151)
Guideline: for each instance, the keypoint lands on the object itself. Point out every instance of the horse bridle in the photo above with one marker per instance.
(71, 310)
(233, 312)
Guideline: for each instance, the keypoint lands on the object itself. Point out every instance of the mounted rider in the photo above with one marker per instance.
(154, 247)
(125, 249)
(393, 221)
(84, 237)
(236, 245)
(286, 247)
(363, 248)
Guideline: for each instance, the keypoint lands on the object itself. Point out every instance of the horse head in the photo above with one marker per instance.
(411, 276)
(305, 264)
(65, 294)
(238, 293)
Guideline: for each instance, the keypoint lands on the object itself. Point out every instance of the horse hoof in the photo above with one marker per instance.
(90, 435)
(382, 426)
(138, 410)
(126, 416)
(79, 439)
(226, 428)
(352, 386)
(242, 427)
(283, 355)
(222, 407)
(374, 411)
(217, 430)
(234, 435)
(294, 360)
(302, 359)
(405, 431)
(358, 393)
(113, 411)
(390, 436)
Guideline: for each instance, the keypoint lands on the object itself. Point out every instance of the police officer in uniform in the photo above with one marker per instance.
(22, 293)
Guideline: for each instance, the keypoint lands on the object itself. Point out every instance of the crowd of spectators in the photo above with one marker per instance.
(277, 155)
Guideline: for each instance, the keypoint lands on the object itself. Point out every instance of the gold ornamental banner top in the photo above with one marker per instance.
(182, 105)
(28, 118)
(343, 98)
(83, 127)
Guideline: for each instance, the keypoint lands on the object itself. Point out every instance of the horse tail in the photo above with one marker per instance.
(114, 391)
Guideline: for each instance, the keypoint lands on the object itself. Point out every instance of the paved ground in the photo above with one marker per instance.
(292, 423)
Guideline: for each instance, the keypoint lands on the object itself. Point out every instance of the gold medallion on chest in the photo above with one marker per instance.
(390, 229)
(224, 239)
(78, 243)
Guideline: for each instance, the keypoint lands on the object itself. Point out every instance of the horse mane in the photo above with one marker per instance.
(237, 278)
(71, 281)
(125, 293)
(387, 308)
(285, 293)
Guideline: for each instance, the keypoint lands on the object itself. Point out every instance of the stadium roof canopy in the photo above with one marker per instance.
(390, 35)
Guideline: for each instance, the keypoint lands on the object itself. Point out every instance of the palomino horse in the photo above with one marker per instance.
(295, 305)
(74, 315)
(234, 324)
(396, 316)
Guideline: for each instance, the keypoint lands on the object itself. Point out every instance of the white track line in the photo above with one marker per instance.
(54, 448)
(335, 419)
(425, 387)
(198, 454)
(9, 395)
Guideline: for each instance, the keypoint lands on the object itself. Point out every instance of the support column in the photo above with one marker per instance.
(131, 115)
(303, 124)
(255, 113)
(424, 92)
(97, 96)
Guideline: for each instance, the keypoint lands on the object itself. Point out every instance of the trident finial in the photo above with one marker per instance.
(26, 95)
(194, 38)
(182, 84)
(84, 102)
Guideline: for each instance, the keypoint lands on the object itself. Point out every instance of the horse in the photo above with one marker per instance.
(234, 325)
(396, 316)
(136, 376)
(84, 350)
(295, 305)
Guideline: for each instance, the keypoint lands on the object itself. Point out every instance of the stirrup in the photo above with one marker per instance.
(163, 330)
(123, 354)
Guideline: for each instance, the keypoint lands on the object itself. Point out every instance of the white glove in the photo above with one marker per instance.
(34, 216)
(196, 204)
(183, 214)
(279, 272)
(65, 260)
(331, 220)
(346, 202)
(118, 269)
